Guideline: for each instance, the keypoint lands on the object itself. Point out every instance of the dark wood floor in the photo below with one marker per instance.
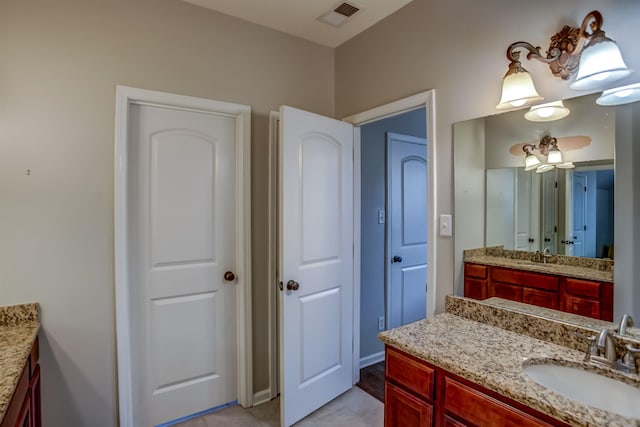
(372, 380)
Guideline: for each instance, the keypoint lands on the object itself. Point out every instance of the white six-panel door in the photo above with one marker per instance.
(407, 222)
(182, 190)
(316, 261)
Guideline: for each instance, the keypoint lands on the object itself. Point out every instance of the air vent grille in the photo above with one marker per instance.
(346, 9)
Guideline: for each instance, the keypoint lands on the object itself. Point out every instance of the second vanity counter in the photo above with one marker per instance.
(493, 358)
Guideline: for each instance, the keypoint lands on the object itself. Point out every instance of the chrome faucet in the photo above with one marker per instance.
(625, 323)
(606, 348)
(546, 253)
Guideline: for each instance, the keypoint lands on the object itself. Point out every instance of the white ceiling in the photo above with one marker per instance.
(298, 17)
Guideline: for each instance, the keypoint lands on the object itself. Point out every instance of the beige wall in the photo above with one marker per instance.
(59, 64)
(458, 48)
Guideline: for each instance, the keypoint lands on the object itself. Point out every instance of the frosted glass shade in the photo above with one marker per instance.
(547, 112)
(518, 90)
(620, 95)
(531, 162)
(566, 165)
(600, 64)
(544, 168)
(554, 157)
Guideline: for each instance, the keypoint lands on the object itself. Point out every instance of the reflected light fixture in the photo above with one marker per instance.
(547, 112)
(620, 95)
(548, 146)
(595, 57)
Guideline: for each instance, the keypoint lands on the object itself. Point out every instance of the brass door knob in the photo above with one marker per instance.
(229, 276)
(292, 285)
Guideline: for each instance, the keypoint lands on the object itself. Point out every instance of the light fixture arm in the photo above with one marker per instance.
(563, 54)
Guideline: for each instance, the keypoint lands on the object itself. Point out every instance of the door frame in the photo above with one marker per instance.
(125, 97)
(420, 100)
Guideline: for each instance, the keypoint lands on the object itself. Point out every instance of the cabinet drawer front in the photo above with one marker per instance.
(503, 290)
(481, 410)
(475, 270)
(412, 374)
(524, 278)
(583, 288)
(404, 409)
(540, 298)
(582, 306)
(475, 288)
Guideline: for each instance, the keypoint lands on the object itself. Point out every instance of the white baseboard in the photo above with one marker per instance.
(263, 396)
(371, 359)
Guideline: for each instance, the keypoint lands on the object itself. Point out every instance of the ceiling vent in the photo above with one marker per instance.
(339, 15)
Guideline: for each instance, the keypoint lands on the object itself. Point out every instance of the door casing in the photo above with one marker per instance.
(125, 97)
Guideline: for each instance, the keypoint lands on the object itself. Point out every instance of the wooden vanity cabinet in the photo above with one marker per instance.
(425, 395)
(24, 409)
(475, 280)
(578, 296)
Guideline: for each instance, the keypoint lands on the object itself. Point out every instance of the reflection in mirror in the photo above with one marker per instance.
(498, 203)
(567, 211)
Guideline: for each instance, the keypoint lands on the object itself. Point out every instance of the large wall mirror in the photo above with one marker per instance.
(568, 211)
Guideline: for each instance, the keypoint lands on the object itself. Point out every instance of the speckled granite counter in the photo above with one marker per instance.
(556, 269)
(569, 266)
(18, 330)
(493, 358)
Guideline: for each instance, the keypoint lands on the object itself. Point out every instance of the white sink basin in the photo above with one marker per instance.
(588, 387)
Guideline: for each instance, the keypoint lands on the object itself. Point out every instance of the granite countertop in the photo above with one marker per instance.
(493, 358)
(579, 272)
(18, 331)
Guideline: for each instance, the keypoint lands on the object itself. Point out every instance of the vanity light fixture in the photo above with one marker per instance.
(620, 95)
(547, 112)
(595, 57)
(548, 146)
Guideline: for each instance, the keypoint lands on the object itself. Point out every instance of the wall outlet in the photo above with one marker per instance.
(381, 323)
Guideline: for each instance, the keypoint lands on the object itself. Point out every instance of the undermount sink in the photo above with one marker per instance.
(588, 387)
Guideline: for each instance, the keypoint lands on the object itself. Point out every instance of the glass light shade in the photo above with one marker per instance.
(531, 162)
(518, 90)
(600, 64)
(620, 95)
(544, 168)
(547, 112)
(554, 157)
(566, 165)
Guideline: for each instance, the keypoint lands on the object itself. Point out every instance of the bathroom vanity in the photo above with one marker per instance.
(19, 367)
(573, 285)
(467, 367)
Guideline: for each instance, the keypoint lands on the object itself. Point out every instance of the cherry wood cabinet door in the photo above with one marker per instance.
(540, 298)
(402, 409)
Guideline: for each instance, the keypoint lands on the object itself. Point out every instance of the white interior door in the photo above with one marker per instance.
(316, 261)
(407, 222)
(579, 213)
(527, 211)
(183, 222)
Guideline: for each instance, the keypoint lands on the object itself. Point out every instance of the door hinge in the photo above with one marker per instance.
(585, 228)
(280, 285)
(585, 189)
(556, 184)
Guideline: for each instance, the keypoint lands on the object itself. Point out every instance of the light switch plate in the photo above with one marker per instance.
(445, 225)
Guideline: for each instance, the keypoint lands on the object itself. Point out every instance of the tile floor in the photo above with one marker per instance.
(355, 408)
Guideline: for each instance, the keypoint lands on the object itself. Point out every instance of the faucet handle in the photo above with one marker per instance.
(628, 361)
(591, 350)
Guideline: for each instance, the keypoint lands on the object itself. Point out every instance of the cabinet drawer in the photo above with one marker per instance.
(475, 288)
(475, 270)
(402, 409)
(524, 278)
(412, 374)
(583, 288)
(506, 291)
(540, 298)
(479, 409)
(582, 306)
